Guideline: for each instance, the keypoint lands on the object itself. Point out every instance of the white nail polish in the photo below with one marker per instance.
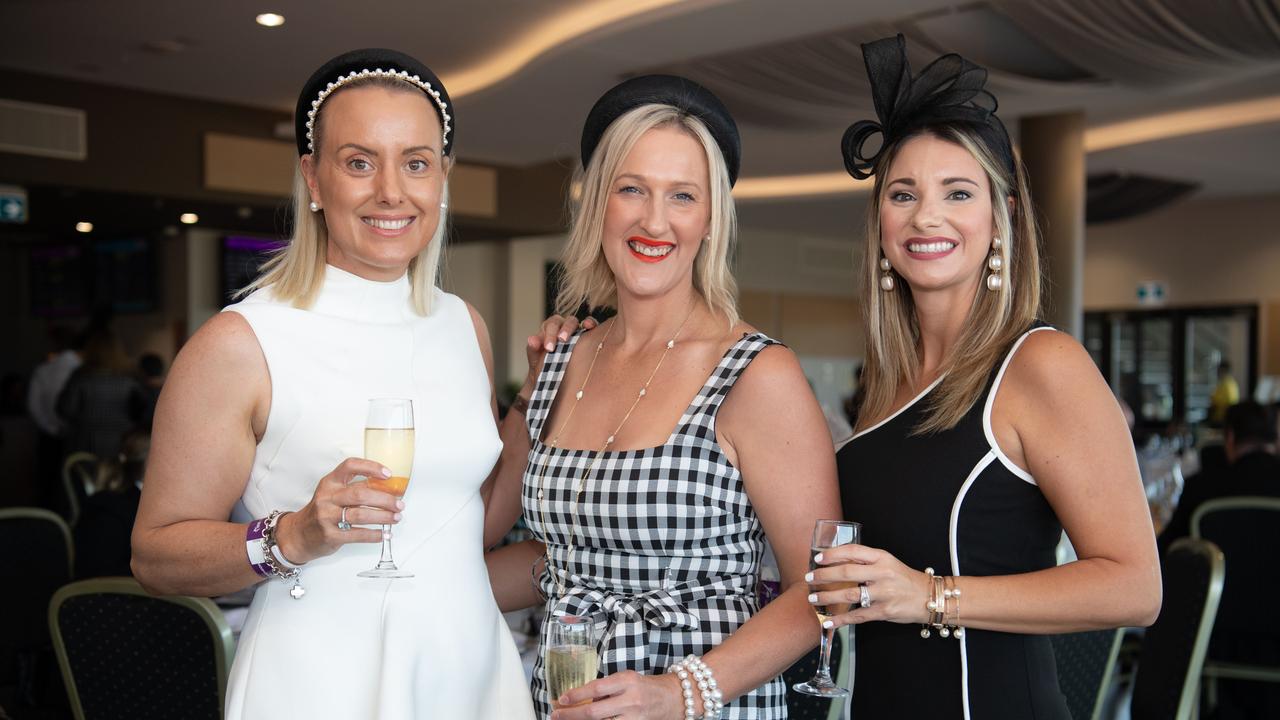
(813, 597)
(808, 577)
(827, 625)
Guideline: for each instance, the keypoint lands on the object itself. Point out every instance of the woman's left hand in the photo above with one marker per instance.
(898, 593)
(628, 695)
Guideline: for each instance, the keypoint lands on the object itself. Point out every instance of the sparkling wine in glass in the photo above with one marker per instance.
(571, 656)
(826, 535)
(388, 439)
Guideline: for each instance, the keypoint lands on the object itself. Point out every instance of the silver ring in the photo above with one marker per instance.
(864, 596)
(343, 525)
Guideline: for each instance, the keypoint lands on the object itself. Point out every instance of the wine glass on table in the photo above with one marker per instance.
(826, 535)
(571, 657)
(388, 439)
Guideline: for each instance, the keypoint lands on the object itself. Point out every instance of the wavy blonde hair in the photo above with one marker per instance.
(996, 319)
(587, 277)
(295, 273)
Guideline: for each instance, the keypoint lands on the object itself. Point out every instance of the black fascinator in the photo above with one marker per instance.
(681, 93)
(949, 90)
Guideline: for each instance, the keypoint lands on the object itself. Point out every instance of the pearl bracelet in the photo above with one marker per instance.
(693, 671)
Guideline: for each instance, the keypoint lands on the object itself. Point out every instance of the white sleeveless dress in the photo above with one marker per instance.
(431, 646)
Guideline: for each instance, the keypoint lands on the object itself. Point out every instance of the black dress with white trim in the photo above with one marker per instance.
(667, 548)
(954, 502)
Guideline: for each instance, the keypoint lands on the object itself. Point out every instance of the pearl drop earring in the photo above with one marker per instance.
(315, 206)
(886, 280)
(995, 263)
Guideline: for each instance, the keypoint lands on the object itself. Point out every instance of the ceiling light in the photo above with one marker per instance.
(784, 186)
(1182, 122)
(270, 20)
(84, 227)
(189, 218)
(544, 37)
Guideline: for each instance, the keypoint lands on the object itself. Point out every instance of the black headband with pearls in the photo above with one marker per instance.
(354, 65)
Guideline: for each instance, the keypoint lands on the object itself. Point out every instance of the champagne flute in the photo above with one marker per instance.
(826, 535)
(388, 439)
(571, 656)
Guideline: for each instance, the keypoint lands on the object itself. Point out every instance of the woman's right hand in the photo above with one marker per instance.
(555, 329)
(313, 532)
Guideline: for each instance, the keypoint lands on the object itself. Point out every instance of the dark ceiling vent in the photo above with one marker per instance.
(1119, 196)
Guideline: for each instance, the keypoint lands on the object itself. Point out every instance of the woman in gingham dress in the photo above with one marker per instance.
(667, 441)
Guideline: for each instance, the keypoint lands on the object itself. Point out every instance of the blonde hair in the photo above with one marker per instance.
(995, 319)
(295, 273)
(587, 277)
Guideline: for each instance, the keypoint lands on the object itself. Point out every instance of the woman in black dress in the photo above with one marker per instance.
(982, 433)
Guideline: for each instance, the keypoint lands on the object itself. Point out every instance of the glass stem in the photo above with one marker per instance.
(384, 560)
(823, 678)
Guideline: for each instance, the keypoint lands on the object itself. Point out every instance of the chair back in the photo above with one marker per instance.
(77, 477)
(36, 561)
(1167, 683)
(1247, 530)
(1086, 661)
(124, 653)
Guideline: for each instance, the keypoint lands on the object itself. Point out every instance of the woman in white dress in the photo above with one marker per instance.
(263, 417)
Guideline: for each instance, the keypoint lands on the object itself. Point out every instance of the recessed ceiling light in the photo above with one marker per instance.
(189, 218)
(270, 20)
(84, 227)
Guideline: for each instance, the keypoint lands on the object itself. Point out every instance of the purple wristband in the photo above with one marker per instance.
(253, 547)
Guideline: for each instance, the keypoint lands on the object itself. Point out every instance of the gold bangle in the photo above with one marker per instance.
(535, 576)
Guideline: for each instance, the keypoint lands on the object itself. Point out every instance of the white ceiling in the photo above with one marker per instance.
(537, 113)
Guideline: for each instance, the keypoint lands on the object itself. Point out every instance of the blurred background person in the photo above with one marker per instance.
(102, 400)
(107, 514)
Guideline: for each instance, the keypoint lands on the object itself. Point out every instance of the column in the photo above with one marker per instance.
(1053, 151)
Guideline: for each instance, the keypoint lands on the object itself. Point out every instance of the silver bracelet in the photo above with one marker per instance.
(277, 568)
(693, 671)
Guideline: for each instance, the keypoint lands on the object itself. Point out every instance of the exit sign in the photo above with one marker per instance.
(13, 204)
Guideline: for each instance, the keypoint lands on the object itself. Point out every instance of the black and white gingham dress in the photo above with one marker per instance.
(668, 547)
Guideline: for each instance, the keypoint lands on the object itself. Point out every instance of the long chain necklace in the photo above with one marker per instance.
(555, 444)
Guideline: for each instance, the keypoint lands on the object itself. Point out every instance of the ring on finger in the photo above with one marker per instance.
(864, 596)
(343, 525)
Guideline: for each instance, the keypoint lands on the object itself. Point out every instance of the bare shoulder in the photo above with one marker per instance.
(225, 341)
(774, 375)
(220, 372)
(1050, 362)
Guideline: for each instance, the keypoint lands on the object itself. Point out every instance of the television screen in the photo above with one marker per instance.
(242, 259)
(124, 275)
(57, 274)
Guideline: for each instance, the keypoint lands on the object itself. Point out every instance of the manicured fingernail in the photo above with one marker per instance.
(551, 346)
(808, 577)
(399, 504)
(386, 473)
(813, 597)
(827, 624)
(817, 558)
(395, 517)
(564, 335)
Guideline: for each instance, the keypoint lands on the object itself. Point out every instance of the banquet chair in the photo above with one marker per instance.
(1167, 683)
(77, 477)
(38, 559)
(126, 654)
(1247, 529)
(1086, 662)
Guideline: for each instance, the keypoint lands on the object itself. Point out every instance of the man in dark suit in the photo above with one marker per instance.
(1252, 468)
(1240, 633)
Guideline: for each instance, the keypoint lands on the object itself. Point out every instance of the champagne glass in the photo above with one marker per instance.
(388, 439)
(571, 656)
(826, 535)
